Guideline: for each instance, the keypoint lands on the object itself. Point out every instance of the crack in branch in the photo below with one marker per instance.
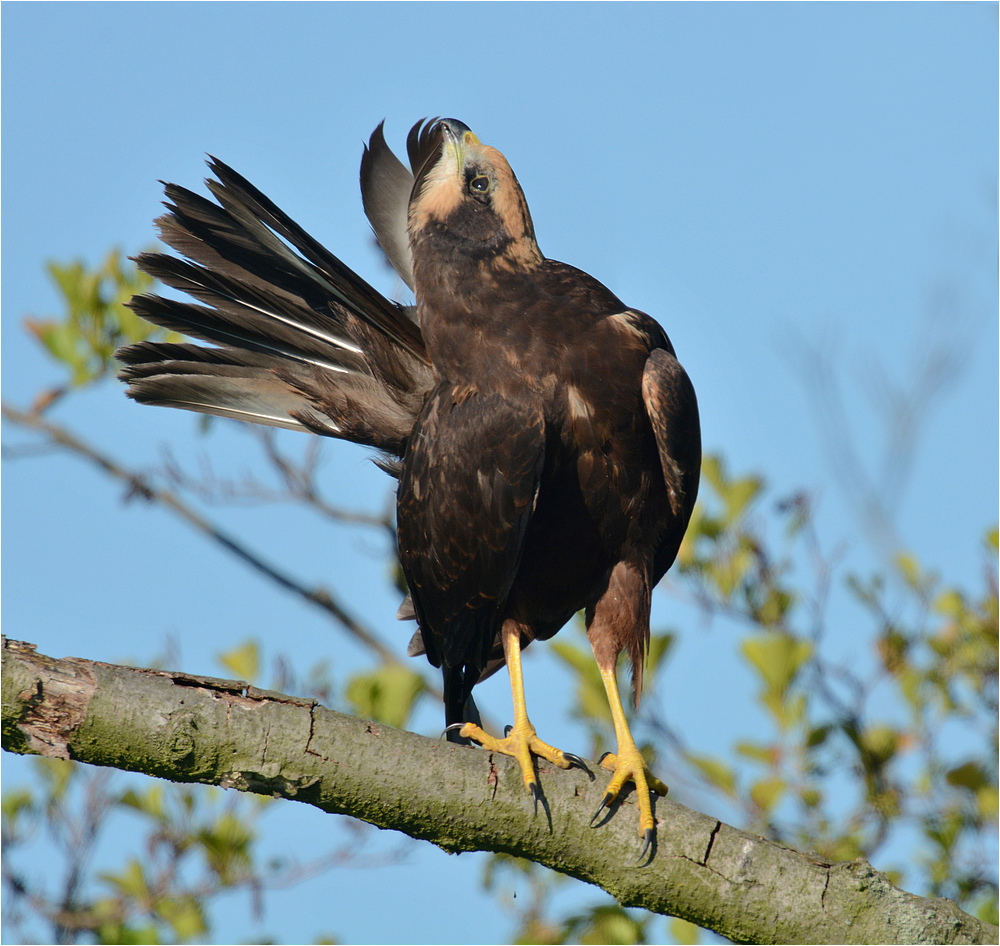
(711, 842)
(312, 726)
(493, 778)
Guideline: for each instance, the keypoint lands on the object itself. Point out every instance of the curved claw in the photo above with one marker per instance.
(649, 837)
(605, 802)
(452, 728)
(576, 762)
(536, 793)
(506, 730)
(604, 755)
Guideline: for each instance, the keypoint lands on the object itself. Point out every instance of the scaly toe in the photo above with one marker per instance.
(521, 743)
(628, 764)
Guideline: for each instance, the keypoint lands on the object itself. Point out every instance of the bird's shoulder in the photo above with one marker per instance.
(593, 304)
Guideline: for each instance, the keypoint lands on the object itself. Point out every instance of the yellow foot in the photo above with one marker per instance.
(629, 764)
(522, 743)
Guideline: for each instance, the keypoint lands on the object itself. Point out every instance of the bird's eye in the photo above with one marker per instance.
(480, 184)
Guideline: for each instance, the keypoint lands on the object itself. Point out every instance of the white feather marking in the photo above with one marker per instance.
(579, 408)
(629, 321)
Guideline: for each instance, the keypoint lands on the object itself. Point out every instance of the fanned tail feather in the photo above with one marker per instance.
(303, 342)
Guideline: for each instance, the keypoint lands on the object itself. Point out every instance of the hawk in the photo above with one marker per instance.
(545, 437)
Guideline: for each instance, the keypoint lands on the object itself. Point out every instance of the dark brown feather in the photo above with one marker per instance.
(305, 342)
(509, 331)
(423, 144)
(545, 436)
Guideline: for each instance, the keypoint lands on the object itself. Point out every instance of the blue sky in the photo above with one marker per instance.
(765, 180)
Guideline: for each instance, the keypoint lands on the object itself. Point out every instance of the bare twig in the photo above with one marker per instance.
(298, 480)
(138, 485)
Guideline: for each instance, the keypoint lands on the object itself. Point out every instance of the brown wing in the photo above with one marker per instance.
(673, 413)
(469, 482)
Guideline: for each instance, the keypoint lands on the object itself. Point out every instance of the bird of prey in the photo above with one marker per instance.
(545, 436)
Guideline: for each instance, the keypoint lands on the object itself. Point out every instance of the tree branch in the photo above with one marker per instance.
(199, 729)
(139, 485)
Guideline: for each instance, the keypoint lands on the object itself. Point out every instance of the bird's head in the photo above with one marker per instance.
(465, 193)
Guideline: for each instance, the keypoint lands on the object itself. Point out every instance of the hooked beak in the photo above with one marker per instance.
(430, 144)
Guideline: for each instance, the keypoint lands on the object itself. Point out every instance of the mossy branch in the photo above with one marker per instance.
(220, 732)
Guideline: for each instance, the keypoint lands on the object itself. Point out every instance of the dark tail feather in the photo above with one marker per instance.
(304, 342)
(226, 382)
(256, 212)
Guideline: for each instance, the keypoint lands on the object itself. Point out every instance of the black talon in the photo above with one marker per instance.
(604, 804)
(506, 730)
(576, 762)
(650, 834)
(535, 795)
(603, 757)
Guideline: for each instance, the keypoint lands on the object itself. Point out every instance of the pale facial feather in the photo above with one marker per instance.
(443, 192)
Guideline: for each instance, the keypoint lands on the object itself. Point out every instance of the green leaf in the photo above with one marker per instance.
(605, 924)
(909, 568)
(15, 802)
(988, 802)
(659, 646)
(131, 881)
(774, 607)
(988, 910)
(578, 659)
(971, 775)
(740, 494)
(811, 797)
(387, 695)
(95, 321)
(736, 495)
(767, 793)
(184, 914)
(777, 658)
(951, 603)
(57, 774)
(226, 845)
(123, 933)
(716, 771)
(686, 556)
(759, 753)
(880, 743)
(591, 698)
(243, 661)
(729, 571)
(818, 736)
(149, 802)
(684, 933)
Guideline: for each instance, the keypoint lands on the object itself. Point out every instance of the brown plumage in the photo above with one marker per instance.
(545, 436)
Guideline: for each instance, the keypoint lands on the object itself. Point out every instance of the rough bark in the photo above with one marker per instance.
(220, 732)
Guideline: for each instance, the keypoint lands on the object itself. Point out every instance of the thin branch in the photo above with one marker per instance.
(138, 485)
(298, 481)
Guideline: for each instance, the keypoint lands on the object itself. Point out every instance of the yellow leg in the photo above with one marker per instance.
(520, 740)
(628, 763)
